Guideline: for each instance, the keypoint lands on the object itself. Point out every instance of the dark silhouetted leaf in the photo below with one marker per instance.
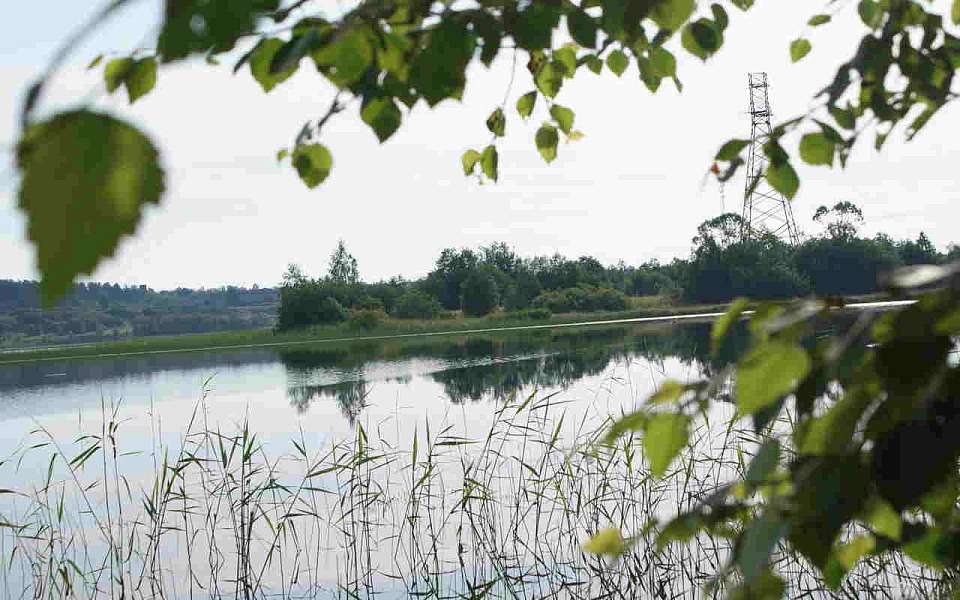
(497, 122)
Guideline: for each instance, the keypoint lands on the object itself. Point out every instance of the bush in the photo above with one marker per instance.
(479, 294)
(414, 304)
(581, 299)
(369, 302)
(366, 319)
(308, 304)
(533, 314)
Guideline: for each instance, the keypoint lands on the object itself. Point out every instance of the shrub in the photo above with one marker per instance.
(369, 302)
(581, 299)
(414, 304)
(308, 304)
(533, 314)
(366, 319)
(479, 294)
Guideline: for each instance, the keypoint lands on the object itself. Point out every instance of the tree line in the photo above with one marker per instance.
(723, 264)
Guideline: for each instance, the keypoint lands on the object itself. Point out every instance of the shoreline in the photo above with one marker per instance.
(336, 334)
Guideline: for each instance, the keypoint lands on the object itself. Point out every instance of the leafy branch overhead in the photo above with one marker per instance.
(389, 56)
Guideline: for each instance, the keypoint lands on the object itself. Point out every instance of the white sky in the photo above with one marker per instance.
(633, 188)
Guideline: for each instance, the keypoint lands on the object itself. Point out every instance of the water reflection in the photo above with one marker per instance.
(472, 368)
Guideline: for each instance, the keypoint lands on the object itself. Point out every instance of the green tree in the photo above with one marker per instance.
(841, 221)
(479, 294)
(343, 266)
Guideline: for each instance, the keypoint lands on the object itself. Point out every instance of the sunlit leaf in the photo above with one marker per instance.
(85, 178)
(549, 79)
(563, 116)
(313, 163)
(141, 78)
(606, 542)
(817, 20)
(816, 149)
(349, 55)
(672, 14)
(469, 161)
(767, 373)
(618, 62)
(799, 48)
(526, 103)
(115, 73)
(669, 392)
(783, 178)
(546, 139)
(260, 60)
(665, 435)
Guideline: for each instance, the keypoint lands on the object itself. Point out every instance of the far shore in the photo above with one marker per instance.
(389, 329)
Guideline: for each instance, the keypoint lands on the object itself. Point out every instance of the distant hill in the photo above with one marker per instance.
(108, 311)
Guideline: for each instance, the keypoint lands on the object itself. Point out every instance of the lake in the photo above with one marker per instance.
(453, 466)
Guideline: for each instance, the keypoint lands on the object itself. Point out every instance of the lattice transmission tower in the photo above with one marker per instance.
(765, 210)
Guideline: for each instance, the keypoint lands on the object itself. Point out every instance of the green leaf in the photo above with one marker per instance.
(743, 4)
(818, 20)
(96, 61)
(141, 79)
(800, 48)
(595, 64)
(665, 435)
(757, 543)
(955, 12)
(663, 63)
(563, 116)
(669, 392)
(210, 26)
(883, 519)
(526, 103)
(260, 60)
(566, 60)
(85, 178)
(720, 16)
(766, 586)
(348, 56)
(783, 178)
(383, 116)
(672, 14)
(845, 556)
(634, 421)
(870, 13)
(701, 39)
(497, 122)
(764, 463)
(732, 149)
(469, 161)
(546, 139)
(549, 79)
(489, 162)
(767, 373)
(115, 73)
(582, 28)
(817, 149)
(606, 542)
(722, 325)
(618, 62)
(313, 163)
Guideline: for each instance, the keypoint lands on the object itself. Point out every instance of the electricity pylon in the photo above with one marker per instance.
(765, 210)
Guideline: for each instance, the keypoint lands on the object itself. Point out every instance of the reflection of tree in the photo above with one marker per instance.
(500, 380)
(351, 396)
(545, 359)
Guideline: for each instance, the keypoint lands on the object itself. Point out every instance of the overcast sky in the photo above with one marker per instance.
(634, 188)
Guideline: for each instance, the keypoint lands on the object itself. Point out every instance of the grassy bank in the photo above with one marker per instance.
(641, 307)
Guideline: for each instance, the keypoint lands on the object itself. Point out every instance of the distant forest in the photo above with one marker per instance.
(722, 265)
(105, 311)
